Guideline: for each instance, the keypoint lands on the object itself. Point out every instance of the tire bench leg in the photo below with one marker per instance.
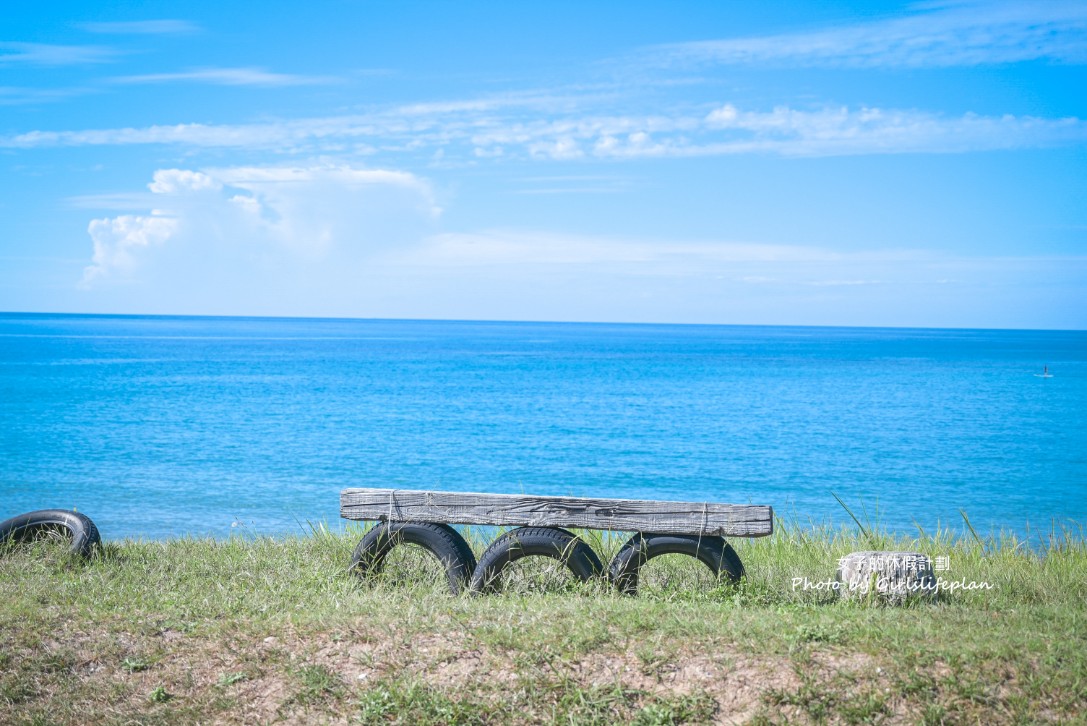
(552, 542)
(712, 551)
(440, 540)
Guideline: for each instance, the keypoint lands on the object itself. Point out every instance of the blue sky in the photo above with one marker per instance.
(895, 164)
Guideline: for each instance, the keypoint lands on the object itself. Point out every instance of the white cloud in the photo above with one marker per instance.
(141, 27)
(172, 181)
(21, 96)
(190, 135)
(118, 242)
(253, 176)
(842, 131)
(561, 148)
(724, 130)
(933, 35)
(43, 54)
(238, 225)
(728, 130)
(228, 77)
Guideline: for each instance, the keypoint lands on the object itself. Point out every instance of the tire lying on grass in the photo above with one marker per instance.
(26, 527)
(714, 552)
(552, 542)
(440, 540)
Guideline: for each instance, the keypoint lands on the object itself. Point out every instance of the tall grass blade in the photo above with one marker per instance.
(971, 527)
(865, 532)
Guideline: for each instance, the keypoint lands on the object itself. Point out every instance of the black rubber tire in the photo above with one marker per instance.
(25, 527)
(554, 542)
(714, 552)
(440, 540)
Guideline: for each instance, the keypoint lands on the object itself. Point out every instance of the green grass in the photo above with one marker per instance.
(264, 630)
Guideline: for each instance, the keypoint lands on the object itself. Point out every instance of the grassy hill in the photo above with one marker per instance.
(255, 630)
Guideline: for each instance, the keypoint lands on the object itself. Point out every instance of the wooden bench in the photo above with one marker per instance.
(424, 517)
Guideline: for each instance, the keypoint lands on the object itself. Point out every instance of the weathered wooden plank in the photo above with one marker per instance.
(630, 515)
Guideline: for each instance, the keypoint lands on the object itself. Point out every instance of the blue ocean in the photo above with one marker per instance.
(171, 426)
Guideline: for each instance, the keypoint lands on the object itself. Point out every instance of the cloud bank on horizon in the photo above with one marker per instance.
(918, 167)
(241, 217)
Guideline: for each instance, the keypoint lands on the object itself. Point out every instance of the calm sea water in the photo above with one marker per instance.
(166, 426)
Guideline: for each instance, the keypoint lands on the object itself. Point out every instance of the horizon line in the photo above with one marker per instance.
(343, 318)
